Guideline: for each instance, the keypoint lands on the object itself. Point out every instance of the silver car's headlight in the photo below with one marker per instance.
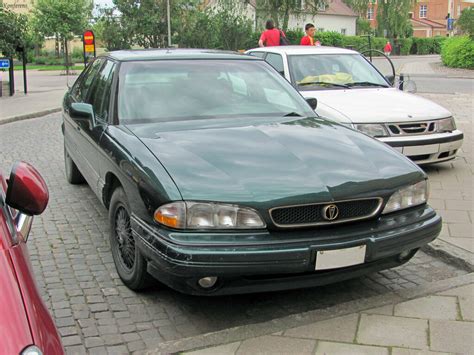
(409, 196)
(372, 129)
(446, 125)
(207, 215)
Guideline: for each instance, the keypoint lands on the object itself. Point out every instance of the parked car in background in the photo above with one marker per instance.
(26, 327)
(220, 178)
(350, 90)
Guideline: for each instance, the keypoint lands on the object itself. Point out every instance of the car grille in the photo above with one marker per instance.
(412, 128)
(310, 215)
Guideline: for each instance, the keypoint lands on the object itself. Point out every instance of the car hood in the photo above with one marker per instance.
(376, 105)
(258, 161)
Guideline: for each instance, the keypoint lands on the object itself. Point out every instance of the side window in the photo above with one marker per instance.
(82, 86)
(276, 61)
(99, 96)
(257, 54)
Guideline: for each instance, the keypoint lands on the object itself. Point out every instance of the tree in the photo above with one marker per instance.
(359, 6)
(63, 19)
(466, 21)
(280, 10)
(110, 31)
(392, 18)
(14, 32)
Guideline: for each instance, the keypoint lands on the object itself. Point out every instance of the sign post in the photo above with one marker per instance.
(88, 41)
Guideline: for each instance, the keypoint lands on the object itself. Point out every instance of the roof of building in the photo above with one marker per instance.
(426, 23)
(175, 53)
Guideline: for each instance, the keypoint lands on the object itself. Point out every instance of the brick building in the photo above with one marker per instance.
(429, 18)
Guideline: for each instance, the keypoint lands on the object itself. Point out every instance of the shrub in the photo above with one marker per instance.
(458, 52)
(405, 45)
(294, 35)
(334, 39)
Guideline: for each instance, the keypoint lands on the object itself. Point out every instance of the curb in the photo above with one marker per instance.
(451, 254)
(29, 115)
(244, 332)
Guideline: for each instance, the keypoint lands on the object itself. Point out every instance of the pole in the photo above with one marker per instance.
(11, 78)
(370, 49)
(168, 12)
(25, 87)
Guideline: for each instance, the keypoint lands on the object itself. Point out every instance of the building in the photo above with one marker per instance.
(429, 18)
(335, 16)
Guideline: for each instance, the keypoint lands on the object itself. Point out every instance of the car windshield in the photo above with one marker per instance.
(163, 91)
(333, 71)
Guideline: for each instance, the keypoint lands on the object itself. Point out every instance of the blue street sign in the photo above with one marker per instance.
(450, 24)
(4, 63)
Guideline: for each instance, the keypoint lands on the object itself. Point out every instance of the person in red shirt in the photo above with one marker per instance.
(271, 36)
(387, 49)
(308, 39)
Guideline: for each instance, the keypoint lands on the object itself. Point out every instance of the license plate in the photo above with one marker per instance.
(336, 258)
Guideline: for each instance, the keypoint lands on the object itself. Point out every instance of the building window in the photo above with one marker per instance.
(370, 13)
(322, 6)
(343, 31)
(423, 11)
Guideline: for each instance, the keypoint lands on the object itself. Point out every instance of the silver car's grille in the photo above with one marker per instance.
(412, 128)
(318, 214)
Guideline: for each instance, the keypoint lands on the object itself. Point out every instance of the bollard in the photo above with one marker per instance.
(400, 81)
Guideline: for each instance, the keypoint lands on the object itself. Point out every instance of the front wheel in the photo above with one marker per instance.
(130, 264)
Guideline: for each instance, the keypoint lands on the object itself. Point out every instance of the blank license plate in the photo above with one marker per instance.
(333, 259)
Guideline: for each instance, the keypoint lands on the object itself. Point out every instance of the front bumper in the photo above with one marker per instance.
(277, 260)
(427, 149)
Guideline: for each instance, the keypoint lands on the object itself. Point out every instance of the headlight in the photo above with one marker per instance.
(408, 197)
(373, 130)
(207, 215)
(32, 350)
(446, 125)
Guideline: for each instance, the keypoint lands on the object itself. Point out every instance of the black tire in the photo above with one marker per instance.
(73, 175)
(130, 264)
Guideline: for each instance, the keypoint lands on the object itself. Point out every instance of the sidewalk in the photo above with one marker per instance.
(435, 318)
(45, 93)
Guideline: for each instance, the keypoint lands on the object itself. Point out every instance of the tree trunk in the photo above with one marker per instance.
(66, 56)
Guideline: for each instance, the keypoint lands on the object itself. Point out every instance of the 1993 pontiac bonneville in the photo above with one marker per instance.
(219, 178)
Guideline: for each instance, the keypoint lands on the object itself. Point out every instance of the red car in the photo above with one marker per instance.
(26, 327)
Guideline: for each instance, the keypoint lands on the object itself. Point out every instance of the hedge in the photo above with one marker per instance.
(458, 52)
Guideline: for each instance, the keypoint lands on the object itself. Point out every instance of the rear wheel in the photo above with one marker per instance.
(130, 264)
(73, 175)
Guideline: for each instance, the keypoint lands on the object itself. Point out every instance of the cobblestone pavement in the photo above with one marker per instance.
(96, 313)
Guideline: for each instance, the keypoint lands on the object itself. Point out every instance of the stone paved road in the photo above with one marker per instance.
(95, 313)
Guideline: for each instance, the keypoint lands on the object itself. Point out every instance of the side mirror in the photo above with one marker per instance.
(313, 102)
(82, 111)
(26, 192)
(390, 79)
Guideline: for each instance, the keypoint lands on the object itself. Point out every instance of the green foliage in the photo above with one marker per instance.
(393, 20)
(359, 6)
(466, 21)
(427, 45)
(363, 26)
(295, 35)
(405, 45)
(109, 30)
(458, 52)
(334, 39)
(13, 30)
(280, 10)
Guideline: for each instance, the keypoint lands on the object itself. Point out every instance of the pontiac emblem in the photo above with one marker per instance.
(330, 212)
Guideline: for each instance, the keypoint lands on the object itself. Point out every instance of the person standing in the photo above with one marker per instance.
(387, 49)
(271, 36)
(308, 40)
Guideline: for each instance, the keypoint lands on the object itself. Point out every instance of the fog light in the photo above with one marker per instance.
(207, 282)
(404, 255)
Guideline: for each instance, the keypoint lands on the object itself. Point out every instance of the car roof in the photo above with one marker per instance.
(175, 53)
(305, 50)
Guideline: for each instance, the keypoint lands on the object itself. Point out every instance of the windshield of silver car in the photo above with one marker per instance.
(163, 91)
(333, 71)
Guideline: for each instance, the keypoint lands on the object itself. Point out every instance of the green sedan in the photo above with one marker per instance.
(219, 177)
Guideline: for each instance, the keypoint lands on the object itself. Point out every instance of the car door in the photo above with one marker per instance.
(99, 97)
(75, 136)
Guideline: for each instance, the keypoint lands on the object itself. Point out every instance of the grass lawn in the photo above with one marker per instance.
(48, 67)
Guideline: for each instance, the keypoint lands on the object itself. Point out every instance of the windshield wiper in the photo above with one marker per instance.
(292, 114)
(366, 83)
(322, 83)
